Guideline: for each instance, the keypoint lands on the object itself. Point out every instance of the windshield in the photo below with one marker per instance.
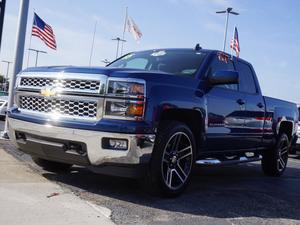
(176, 62)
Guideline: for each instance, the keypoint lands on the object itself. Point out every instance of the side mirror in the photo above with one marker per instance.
(224, 77)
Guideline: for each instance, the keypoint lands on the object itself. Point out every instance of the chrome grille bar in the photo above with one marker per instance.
(66, 82)
(39, 82)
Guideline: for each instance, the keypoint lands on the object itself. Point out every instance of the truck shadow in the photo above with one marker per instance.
(222, 192)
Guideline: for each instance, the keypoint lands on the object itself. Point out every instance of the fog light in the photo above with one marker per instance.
(115, 144)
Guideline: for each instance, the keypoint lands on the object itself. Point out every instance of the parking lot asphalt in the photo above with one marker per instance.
(217, 195)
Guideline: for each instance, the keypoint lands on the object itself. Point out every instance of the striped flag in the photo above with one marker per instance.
(134, 29)
(43, 31)
(235, 43)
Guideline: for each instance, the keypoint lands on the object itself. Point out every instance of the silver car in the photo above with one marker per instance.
(3, 105)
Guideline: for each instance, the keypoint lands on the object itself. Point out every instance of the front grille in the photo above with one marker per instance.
(75, 108)
(69, 84)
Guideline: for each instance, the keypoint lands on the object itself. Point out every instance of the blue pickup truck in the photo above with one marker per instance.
(152, 114)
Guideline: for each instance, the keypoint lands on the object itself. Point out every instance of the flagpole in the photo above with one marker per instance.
(93, 43)
(28, 55)
(124, 30)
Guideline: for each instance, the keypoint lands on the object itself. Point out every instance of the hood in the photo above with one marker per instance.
(76, 69)
(154, 76)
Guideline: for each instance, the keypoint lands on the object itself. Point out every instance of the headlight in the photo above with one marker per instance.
(131, 88)
(125, 99)
(126, 108)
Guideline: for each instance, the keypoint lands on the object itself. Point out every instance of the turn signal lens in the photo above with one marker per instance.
(135, 110)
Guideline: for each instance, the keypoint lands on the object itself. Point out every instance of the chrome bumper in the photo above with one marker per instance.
(139, 151)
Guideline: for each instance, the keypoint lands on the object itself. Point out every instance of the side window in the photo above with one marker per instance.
(222, 64)
(247, 82)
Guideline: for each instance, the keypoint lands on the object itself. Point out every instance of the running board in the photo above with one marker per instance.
(209, 162)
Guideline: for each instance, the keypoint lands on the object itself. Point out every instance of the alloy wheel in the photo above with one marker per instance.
(177, 160)
(282, 155)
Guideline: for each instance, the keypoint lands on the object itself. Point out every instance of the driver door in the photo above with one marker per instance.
(225, 111)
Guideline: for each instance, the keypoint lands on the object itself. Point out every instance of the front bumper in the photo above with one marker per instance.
(49, 142)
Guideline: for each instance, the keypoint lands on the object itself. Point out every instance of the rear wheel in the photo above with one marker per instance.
(275, 160)
(172, 159)
(51, 165)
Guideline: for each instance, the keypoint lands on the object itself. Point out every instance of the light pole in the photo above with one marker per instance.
(118, 40)
(37, 54)
(7, 71)
(2, 12)
(93, 43)
(19, 53)
(227, 11)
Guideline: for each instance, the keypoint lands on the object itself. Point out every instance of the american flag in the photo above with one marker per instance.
(235, 44)
(43, 31)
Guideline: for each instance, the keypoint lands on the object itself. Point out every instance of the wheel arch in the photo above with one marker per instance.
(286, 127)
(193, 118)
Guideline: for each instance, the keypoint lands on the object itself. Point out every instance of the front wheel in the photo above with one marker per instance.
(172, 159)
(275, 160)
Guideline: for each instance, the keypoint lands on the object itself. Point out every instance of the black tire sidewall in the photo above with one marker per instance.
(270, 158)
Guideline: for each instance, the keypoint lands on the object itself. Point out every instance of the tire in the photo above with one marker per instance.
(51, 165)
(172, 160)
(275, 160)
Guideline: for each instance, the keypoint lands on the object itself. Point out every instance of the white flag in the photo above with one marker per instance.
(134, 29)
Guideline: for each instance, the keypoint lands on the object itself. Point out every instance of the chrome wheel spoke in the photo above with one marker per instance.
(169, 177)
(182, 171)
(166, 157)
(280, 163)
(179, 176)
(185, 149)
(284, 151)
(176, 142)
(185, 155)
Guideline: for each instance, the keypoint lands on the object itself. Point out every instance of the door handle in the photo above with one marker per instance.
(241, 102)
(260, 105)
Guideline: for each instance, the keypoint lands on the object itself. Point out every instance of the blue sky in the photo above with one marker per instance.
(268, 30)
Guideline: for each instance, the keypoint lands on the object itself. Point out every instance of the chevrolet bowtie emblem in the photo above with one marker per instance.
(49, 91)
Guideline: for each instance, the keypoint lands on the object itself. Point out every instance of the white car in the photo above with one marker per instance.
(297, 145)
(3, 105)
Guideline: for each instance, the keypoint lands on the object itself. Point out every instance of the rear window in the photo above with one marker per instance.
(176, 62)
